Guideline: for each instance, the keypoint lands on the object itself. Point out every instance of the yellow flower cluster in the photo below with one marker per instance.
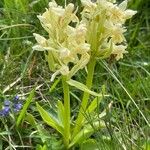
(105, 20)
(73, 41)
(66, 44)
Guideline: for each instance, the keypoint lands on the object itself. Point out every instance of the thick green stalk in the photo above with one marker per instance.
(67, 111)
(84, 103)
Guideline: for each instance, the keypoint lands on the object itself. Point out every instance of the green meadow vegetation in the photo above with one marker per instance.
(125, 110)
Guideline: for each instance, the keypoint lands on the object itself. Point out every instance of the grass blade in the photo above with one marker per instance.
(25, 107)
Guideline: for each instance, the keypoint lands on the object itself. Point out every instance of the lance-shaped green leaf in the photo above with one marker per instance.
(53, 86)
(86, 132)
(60, 112)
(40, 147)
(82, 87)
(30, 118)
(95, 103)
(49, 119)
(89, 144)
(43, 134)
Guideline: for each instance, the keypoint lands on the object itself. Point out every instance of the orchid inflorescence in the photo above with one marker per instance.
(9, 106)
(99, 32)
(74, 43)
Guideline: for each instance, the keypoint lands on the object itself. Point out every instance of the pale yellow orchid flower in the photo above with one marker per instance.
(99, 33)
(65, 44)
(119, 50)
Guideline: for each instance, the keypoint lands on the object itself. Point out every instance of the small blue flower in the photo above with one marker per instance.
(17, 107)
(16, 98)
(14, 105)
(5, 111)
(6, 103)
(1, 113)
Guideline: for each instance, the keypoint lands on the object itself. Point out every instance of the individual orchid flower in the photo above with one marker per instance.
(115, 32)
(119, 14)
(105, 49)
(56, 19)
(119, 50)
(89, 6)
(64, 70)
(42, 42)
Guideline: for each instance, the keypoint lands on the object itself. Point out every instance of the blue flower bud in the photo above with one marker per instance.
(17, 107)
(16, 98)
(6, 103)
(5, 111)
(1, 113)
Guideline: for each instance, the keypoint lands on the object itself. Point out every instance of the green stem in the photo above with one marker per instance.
(67, 111)
(84, 103)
